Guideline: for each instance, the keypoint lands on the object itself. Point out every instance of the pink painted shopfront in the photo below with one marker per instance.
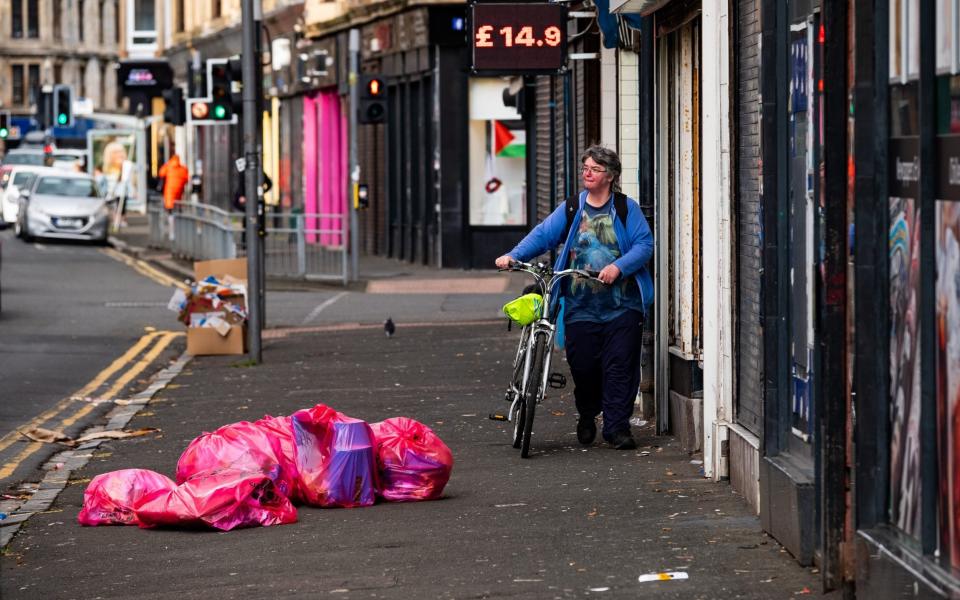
(325, 168)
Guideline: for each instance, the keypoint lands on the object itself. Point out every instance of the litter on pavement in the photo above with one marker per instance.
(49, 436)
(668, 576)
(247, 474)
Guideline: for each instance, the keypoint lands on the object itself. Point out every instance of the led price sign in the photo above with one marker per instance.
(518, 38)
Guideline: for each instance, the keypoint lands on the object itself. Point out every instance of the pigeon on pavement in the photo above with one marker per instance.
(389, 327)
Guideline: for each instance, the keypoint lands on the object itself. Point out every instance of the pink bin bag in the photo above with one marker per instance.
(222, 500)
(244, 446)
(112, 498)
(413, 462)
(334, 458)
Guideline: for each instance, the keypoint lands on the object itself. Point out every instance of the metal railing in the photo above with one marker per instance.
(302, 246)
(204, 232)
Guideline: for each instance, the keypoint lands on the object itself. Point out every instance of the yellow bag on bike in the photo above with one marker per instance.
(524, 310)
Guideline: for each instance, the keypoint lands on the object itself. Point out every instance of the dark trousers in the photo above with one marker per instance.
(604, 360)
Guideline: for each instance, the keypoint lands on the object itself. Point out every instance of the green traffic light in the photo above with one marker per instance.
(62, 119)
(219, 112)
(4, 132)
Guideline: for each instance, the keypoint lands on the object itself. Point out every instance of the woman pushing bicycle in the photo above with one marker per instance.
(601, 230)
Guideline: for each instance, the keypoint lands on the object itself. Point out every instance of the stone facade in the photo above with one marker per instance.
(75, 42)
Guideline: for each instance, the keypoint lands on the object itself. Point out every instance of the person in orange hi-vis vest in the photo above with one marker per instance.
(175, 177)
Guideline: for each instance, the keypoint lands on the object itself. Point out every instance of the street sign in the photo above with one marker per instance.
(518, 38)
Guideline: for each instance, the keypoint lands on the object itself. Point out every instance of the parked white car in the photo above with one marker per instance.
(63, 205)
(13, 180)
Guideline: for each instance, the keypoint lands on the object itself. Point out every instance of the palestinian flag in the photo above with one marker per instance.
(509, 143)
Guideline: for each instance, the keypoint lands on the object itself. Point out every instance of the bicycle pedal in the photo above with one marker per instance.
(557, 380)
(498, 417)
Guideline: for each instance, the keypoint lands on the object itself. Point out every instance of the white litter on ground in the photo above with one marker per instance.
(663, 576)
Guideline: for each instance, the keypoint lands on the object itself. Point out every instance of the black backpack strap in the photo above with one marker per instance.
(620, 204)
(573, 205)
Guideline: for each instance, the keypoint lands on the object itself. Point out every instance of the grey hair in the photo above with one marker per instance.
(607, 159)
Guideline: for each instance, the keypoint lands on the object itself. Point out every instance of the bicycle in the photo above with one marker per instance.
(531, 365)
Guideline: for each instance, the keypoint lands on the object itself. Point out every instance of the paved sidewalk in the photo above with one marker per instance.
(377, 274)
(568, 522)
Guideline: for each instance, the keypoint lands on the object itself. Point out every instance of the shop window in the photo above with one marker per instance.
(804, 131)
(947, 245)
(497, 138)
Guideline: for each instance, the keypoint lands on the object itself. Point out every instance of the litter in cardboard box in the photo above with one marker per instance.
(247, 474)
(214, 308)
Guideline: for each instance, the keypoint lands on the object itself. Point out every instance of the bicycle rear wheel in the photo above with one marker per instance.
(533, 392)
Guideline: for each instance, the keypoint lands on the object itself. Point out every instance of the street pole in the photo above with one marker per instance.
(354, 179)
(261, 205)
(251, 174)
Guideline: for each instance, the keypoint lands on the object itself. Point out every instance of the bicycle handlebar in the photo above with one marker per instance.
(541, 271)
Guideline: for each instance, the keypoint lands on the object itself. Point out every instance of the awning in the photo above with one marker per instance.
(636, 7)
(613, 26)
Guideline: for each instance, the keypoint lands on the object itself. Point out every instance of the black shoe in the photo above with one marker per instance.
(623, 441)
(586, 431)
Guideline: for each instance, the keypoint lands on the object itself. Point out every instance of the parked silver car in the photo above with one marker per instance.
(66, 206)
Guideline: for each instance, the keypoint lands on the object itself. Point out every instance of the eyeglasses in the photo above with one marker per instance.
(596, 170)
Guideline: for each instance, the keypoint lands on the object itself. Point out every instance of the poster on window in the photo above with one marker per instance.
(114, 164)
(904, 256)
(948, 376)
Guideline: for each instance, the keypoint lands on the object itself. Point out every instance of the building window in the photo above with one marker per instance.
(179, 24)
(17, 19)
(144, 22)
(217, 9)
(18, 96)
(57, 10)
(100, 28)
(33, 83)
(33, 18)
(80, 20)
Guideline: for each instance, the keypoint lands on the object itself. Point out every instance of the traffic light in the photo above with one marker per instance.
(235, 70)
(174, 112)
(221, 90)
(372, 107)
(4, 125)
(62, 106)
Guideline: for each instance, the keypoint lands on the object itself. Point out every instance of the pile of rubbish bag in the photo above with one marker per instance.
(218, 303)
(247, 474)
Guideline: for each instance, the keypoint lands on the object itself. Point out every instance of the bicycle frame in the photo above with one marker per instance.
(545, 325)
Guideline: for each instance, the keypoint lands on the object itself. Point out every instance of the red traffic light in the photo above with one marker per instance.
(199, 110)
(374, 87)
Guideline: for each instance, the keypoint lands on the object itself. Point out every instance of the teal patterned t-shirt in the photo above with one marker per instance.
(594, 247)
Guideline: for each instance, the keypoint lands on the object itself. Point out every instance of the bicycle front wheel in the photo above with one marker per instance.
(533, 390)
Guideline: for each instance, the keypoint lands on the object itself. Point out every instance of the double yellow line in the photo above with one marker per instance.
(144, 269)
(127, 366)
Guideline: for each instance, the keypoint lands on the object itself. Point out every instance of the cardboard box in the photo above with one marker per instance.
(206, 340)
(202, 341)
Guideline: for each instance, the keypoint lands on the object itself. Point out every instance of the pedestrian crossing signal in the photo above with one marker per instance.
(373, 101)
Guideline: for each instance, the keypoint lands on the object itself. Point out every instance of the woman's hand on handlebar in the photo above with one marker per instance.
(504, 261)
(609, 274)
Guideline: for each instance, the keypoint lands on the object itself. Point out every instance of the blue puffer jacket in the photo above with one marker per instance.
(634, 239)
